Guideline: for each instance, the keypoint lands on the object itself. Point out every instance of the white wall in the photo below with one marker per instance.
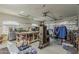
(6, 17)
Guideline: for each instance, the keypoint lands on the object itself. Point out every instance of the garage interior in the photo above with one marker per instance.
(39, 28)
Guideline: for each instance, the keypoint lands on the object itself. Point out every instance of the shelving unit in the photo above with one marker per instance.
(43, 38)
(27, 36)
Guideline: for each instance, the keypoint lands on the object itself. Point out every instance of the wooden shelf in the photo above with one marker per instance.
(28, 36)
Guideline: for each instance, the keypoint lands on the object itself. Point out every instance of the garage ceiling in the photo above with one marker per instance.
(36, 10)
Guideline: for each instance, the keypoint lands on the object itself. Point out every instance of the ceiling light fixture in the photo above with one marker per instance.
(21, 12)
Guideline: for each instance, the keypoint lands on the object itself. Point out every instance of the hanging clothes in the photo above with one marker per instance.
(62, 32)
(56, 31)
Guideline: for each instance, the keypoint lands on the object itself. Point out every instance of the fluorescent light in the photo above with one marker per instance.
(35, 25)
(65, 22)
(21, 12)
(10, 23)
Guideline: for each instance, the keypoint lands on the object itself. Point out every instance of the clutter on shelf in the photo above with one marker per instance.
(3, 38)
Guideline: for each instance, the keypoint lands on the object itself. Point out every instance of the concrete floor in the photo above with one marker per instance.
(3, 45)
(53, 48)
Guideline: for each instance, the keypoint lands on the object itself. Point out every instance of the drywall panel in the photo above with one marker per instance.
(6, 17)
